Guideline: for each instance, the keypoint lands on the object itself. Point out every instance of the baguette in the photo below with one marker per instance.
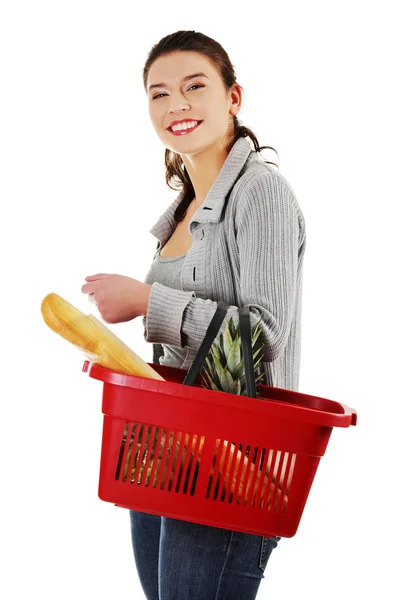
(93, 338)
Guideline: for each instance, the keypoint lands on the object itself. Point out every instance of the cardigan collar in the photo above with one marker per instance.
(210, 211)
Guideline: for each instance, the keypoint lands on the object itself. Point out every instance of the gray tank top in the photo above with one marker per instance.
(167, 271)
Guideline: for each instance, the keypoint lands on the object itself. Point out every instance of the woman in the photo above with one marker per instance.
(234, 233)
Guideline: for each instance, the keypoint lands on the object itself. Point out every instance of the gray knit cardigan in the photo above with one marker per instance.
(248, 244)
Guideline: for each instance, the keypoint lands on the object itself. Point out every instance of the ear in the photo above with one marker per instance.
(236, 99)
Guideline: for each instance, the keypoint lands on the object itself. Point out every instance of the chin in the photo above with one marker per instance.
(187, 147)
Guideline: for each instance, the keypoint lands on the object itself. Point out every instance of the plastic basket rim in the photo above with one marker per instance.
(346, 417)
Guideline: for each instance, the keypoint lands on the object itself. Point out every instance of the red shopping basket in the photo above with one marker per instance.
(185, 452)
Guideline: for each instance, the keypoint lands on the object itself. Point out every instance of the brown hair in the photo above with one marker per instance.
(198, 42)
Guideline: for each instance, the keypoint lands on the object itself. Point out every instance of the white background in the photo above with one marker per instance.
(83, 181)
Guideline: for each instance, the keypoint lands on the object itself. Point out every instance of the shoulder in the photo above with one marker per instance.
(262, 183)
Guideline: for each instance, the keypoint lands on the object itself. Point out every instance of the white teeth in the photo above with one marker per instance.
(183, 126)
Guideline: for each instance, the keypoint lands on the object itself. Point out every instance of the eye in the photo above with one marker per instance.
(192, 86)
(196, 85)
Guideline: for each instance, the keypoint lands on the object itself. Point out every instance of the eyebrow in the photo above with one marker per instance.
(156, 85)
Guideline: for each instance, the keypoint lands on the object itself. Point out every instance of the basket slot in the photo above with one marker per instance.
(253, 478)
(137, 452)
(130, 449)
(149, 455)
(121, 451)
(248, 473)
(241, 476)
(276, 477)
(227, 472)
(231, 471)
(261, 480)
(281, 507)
(271, 469)
(188, 464)
(196, 462)
(225, 457)
(238, 475)
(287, 480)
(156, 450)
(161, 459)
(180, 465)
(165, 456)
(172, 456)
(140, 454)
(174, 483)
(133, 451)
(282, 472)
(212, 480)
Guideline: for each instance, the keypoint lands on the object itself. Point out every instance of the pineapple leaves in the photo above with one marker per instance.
(210, 383)
(233, 356)
(225, 361)
(235, 388)
(227, 340)
(226, 379)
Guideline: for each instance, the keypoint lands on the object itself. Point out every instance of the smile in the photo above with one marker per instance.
(185, 131)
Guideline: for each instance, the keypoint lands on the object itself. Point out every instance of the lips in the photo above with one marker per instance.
(185, 131)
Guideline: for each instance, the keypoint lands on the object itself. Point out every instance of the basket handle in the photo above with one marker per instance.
(245, 333)
(211, 333)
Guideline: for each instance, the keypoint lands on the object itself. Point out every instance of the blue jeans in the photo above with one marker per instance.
(179, 560)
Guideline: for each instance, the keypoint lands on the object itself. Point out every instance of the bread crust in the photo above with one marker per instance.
(100, 345)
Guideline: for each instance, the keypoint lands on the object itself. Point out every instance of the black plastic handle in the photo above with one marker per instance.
(245, 333)
(211, 333)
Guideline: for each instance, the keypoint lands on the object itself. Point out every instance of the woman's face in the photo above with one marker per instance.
(202, 98)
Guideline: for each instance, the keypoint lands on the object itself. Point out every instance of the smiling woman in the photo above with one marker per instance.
(234, 233)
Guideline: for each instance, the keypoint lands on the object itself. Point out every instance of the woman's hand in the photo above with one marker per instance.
(118, 298)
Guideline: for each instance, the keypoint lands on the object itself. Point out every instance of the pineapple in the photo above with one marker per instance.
(226, 367)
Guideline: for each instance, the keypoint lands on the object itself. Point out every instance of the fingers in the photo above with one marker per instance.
(97, 276)
(87, 288)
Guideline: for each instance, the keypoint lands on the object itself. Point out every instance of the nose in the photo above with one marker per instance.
(178, 109)
(178, 103)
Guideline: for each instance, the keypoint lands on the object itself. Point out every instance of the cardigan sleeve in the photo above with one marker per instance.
(268, 231)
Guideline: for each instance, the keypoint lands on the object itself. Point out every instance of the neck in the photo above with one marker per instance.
(203, 169)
